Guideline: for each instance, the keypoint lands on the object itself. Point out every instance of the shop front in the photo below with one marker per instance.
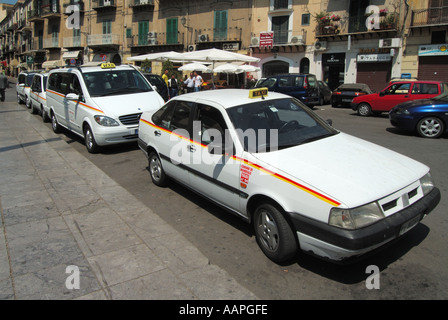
(333, 67)
(374, 69)
(433, 62)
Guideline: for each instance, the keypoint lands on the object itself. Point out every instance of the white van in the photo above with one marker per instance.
(103, 103)
(23, 87)
(38, 95)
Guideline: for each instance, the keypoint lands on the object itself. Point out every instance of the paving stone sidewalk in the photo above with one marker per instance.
(59, 210)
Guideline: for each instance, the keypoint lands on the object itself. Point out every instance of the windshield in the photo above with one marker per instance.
(277, 124)
(113, 82)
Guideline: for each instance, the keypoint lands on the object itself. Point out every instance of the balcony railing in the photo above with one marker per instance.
(103, 39)
(51, 42)
(153, 39)
(137, 3)
(280, 4)
(72, 42)
(50, 7)
(429, 16)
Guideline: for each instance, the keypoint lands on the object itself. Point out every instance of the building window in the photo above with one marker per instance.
(280, 4)
(220, 27)
(306, 19)
(107, 27)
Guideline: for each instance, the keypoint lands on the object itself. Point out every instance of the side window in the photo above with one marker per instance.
(425, 88)
(177, 116)
(212, 124)
(298, 81)
(52, 81)
(75, 86)
(399, 88)
(21, 78)
(269, 83)
(285, 81)
(312, 81)
(63, 84)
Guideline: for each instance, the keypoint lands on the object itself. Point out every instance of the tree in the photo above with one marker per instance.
(146, 66)
(168, 65)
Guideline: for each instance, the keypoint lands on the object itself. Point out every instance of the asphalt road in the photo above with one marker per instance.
(412, 268)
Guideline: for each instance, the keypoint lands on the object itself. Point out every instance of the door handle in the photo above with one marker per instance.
(191, 148)
(157, 133)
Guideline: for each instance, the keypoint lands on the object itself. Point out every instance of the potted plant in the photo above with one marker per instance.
(383, 12)
(335, 17)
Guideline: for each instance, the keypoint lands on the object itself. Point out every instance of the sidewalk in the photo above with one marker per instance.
(57, 210)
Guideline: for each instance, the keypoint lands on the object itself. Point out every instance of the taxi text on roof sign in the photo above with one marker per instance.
(258, 93)
(107, 65)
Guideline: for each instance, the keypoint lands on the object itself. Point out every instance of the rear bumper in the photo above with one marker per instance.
(339, 244)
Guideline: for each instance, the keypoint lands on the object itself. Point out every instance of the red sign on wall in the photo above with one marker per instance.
(266, 39)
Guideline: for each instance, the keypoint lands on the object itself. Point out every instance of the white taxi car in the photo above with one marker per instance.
(102, 103)
(38, 96)
(271, 160)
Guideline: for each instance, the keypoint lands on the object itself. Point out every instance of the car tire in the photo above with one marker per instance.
(29, 105)
(89, 139)
(45, 117)
(364, 109)
(156, 171)
(273, 233)
(33, 110)
(19, 100)
(54, 124)
(321, 100)
(430, 127)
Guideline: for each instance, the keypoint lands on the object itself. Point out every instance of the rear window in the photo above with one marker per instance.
(425, 88)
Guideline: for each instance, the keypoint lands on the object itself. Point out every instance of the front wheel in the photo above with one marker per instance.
(89, 139)
(364, 110)
(54, 124)
(273, 233)
(430, 127)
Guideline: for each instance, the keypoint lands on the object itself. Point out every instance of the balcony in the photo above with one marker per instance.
(72, 42)
(336, 27)
(51, 43)
(279, 41)
(429, 17)
(104, 5)
(50, 9)
(78, 3)
(157, 41)
(35, 15)
(102, 41)
(141, 5)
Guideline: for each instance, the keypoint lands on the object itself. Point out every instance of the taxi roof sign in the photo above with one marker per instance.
(258, 93)
(107, 65)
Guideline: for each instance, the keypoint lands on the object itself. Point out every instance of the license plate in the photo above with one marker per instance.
(347, 100)
(409, 225)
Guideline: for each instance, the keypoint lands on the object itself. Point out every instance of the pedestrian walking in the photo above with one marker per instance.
(190, 83)
(173, 86)
(3, 85)
(197, 82)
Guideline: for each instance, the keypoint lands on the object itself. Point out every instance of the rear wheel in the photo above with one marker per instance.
(45, 116)
(19, 100)
(273, 233)
(156, 171)
(54, 124)
(364, 110)
(430, 127)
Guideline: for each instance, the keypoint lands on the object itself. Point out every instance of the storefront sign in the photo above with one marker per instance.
(266, 39)
(29, 59)
(381, 57)
(433, 50)
(333, 58)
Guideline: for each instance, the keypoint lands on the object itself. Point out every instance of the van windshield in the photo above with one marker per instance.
(114, 82)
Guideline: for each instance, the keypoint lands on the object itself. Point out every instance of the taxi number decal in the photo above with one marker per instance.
(245, 175)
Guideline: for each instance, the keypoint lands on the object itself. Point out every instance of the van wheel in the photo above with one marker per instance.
(89, 139)
(156, 171)
(273, 233)
(54, 124)
(45, 116)
(364, 110)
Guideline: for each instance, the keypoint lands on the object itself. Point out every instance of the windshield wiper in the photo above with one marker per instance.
(284, 146)
(123, 90)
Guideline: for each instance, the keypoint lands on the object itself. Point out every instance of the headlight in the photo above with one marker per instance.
(427, 183)
(403, 111)
(355, 218)
(106, 121)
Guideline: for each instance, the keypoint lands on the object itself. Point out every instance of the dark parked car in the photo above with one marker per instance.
(324, 92)
(159, 83)
(301, 86)
(428, 117)
(345, 93)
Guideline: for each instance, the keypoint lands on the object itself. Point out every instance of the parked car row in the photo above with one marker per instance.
(287, 185)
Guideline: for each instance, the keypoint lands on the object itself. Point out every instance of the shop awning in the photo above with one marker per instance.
(70, 55)
(51, 64)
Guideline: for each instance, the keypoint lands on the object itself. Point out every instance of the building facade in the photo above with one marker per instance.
(341, 41)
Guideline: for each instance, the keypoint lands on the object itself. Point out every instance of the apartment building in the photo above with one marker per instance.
(367, 41)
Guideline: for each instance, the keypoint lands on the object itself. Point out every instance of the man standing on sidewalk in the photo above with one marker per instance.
(197, 82)
(3, 85)
(173, 86)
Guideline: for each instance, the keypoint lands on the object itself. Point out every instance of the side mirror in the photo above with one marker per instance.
(382, 94)
(21, 85)
(72, 96)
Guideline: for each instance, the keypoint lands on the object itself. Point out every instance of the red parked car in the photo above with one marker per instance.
(396, 93)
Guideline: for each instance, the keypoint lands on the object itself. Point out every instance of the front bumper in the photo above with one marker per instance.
(339, 244)
(115, 135)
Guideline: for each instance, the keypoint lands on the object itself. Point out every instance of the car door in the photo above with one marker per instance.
(424, 90)
(171, 138)
(392, 95)
(76, 111)
(213, 172)
(35, 91)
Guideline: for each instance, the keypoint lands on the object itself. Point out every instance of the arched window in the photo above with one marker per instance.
(305, 65)
(275, 67)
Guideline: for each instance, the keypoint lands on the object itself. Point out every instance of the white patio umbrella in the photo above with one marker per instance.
(247, 68)
(157, 56)
(194, 66)
(226, 68)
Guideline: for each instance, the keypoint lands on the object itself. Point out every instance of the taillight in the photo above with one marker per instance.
(359, 94)
(337, 92)
(305, 83)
